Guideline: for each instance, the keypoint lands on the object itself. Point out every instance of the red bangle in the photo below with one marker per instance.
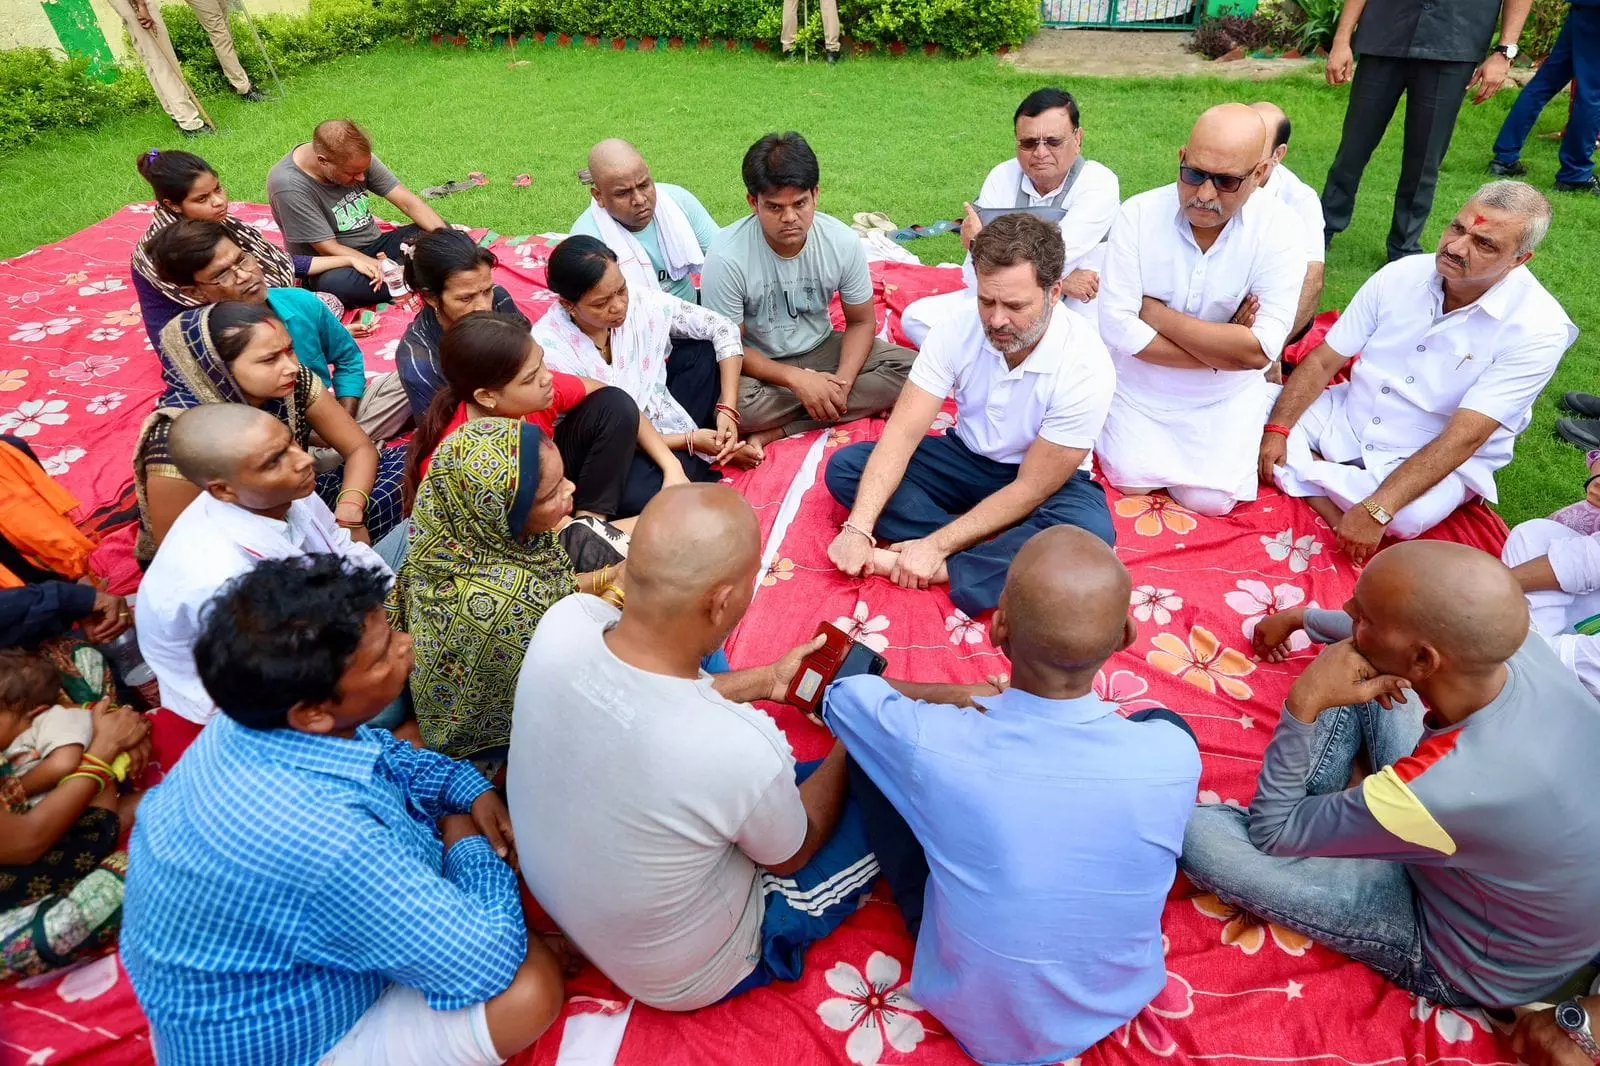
(730, 411)
(1273, 427)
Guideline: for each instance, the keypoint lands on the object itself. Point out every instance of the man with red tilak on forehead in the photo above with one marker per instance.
(1454, 351)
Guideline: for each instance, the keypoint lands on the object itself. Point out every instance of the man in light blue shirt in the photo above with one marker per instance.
(305, 890)
(1038, 834)
(660, 232)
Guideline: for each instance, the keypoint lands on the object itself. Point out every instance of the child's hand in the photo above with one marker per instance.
(1271, 638)
(116, 730)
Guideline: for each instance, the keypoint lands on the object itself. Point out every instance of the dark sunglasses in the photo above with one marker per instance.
(1223, 182)
(1029, 144)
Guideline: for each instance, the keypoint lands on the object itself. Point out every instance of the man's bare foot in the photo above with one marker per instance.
(883, 560)
(765, 437)
(1326, 509)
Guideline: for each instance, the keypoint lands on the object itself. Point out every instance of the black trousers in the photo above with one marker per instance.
(694, 381)
(1433, 90)
(597, 440)
(354, 290)
(900, 855)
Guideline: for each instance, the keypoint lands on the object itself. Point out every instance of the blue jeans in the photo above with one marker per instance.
(944, 480)
(1363, 908)
(1576, 59)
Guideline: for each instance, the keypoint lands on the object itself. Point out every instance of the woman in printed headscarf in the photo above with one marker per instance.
(493, 547)
(241, 353)
(186, 186)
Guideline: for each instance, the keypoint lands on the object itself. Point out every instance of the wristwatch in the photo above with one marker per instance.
(1379, 515)
(1508, 50)
(1574, 1021)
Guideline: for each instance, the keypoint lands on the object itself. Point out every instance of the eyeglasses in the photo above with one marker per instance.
(240, 268)
(1031, 144)
(1223, 182)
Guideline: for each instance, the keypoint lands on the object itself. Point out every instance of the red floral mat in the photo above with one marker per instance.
(1238, 991)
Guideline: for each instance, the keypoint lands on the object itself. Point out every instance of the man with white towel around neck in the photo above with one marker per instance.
(659, 232)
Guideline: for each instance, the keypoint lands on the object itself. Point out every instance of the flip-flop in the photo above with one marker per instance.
(439, 192)
(477, 178)
(879, 220)
(522, 181)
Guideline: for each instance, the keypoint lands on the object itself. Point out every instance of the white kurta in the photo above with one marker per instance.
(1300, 198)
(1091, 207)
(1193, 428)
(1567, 617)
(209, 544)
(1418, 366)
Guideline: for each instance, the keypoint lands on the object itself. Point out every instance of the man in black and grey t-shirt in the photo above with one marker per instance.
(318, 194)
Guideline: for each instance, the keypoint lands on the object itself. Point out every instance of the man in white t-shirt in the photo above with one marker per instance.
(1455, 348)
(658, 816)
(257, 501)
(1049, 176)
(1032, 385)
(1283, 185)
(1198, 295)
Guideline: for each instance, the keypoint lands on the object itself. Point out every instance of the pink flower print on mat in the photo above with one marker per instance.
(1245, 931)
(86, 370)
(873, 1009)
(1298, 552)
(963, 630)
(782, 570)
(33, 332)
(100, 288)
(105, 403)
(1124, 688)
(142, 209)
(1208, 798)
(12, 380)
(31, 416)
(1149, 1025)
(1150, 602)
(104, 334)
(837, 438)
(128, 316)
(59, 463)
(862, 625)
(942, 423)
(1255, 600)
(77, 277)
(387, 349)
(1454, 1024)
(1205, 662)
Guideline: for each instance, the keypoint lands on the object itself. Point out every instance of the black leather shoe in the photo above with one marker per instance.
(833, 57)
(1582, 403)
(1584, 432)
(1592, 186)
(1507, 170)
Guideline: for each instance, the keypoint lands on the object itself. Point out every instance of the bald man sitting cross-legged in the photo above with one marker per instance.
(659, 232)
(257, 501)
(1463, 868)
(1030, 843)
(722, 861)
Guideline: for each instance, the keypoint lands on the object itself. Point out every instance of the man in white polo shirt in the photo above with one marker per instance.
(257, 501)
(1081, 196)
(1286, 187)
(1032, 385)
(1454, 351)
(1198, 295)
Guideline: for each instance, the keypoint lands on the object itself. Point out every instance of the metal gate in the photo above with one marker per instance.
(1123, 14)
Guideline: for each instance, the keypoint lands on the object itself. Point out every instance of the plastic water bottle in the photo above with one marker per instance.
(394, 276)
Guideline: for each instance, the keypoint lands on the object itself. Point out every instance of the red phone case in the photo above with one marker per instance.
(818, 669)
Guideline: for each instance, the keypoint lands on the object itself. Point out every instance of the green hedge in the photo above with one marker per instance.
(40, 91)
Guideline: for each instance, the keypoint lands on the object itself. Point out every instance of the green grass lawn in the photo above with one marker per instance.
(910, 137)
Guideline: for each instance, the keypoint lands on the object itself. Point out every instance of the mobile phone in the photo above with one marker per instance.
(838, 657)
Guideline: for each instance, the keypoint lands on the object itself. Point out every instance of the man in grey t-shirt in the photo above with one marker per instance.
(776, 274)
(1463, 867)
(318, 194)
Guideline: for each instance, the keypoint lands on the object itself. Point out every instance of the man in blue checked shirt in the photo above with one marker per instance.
(304, 889)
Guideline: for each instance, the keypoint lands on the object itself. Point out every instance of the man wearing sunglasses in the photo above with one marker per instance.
(1048, 177)
(1199, 292)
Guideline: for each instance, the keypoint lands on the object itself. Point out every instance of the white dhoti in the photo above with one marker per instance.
(1201, 446)
(1559, 614)
(1326, 458)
